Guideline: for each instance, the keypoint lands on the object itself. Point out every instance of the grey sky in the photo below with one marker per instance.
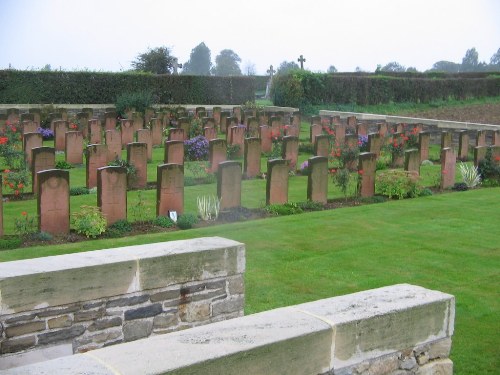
(106, 35)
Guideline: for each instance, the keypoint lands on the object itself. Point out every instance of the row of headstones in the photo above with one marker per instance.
(53, 199)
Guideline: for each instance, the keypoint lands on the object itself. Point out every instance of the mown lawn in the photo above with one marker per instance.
(447, 242)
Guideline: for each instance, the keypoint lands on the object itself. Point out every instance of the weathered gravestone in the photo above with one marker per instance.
(176, 134)
(290, 151)
(74, 147)
(209, 133)
(276, 126)
(42, 158)
(112, 193)
(97, 157)
(292, 131)
(137, 155)
(95, 131)
(29, 126)
(60, 129)
(366, 170)
(114, 142)
(463, 145)
(148, 115)
(238, 113)
(110, 120)
(138, 121)
(185, 124)
(423, 145)
(277, 181)
(481, 138)
(479, 154)
(82, 118)
(375, 141)
(322, 145)
(362, 129)
(169, 189)
(340, 133)
(217, 153)
(263, 118)
(12, 115)
(144, 136)
(252, 126)
(351, 122)
(230, 122)
(156, 132)
(53, 201)
(238, 138)
(36, 115)
(316, 120)
(31, 140)
(495, 138)
(127, 130)
(296, 119)
(208, 122)
(266, 142)
(315, 130)
(216, 113)
(382, 129)
(174, 152)
(446, 139)
(223, 122)
(412, 161)
(251, 164)
(317, 180)
(229, 184)
(448, 162)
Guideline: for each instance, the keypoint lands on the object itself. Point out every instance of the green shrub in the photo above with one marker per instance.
(398, 183)
(138, 101)
(284, 209)
(41, 236)
(232, 151)
(306, 148)
(89, 221)
(78, 190)
(489, 169)
(186, 221)
(25, 226)
(426, 192)
(7, 243)
(62, 164)
(164, 222)
(310, 206)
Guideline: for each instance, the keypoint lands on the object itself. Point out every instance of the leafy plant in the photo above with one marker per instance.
(78, 190)
(310, 206)
(208, 207)
(164, 222)
(470, 175)
(196, 148)
(9, 243)
(284, 209)
(232, 151)
(16, 181)
(26, 225)
(140, 212)
(62, 164)
(398, 183)
(460, 186)
(139, 100)
(489, 169)
(89, 221)
(341, 178)
(186, 221)
(118, 229)
(131, 169)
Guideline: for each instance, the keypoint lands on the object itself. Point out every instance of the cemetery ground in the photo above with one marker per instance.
(447, 242)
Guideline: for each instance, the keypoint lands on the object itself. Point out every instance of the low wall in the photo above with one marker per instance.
(400, 329)
(60, 305)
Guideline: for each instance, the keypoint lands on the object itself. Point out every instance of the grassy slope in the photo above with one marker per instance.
(446, 242)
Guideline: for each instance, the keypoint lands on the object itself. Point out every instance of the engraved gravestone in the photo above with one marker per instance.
(113, 139)
(112, 193)
(317, 180)
(74, 147)
(217, 153)
(137, 155)
(97, 157)
(169, 189)
(251, 163)
(53, 201)
(277, 181)
(42, 158)
(174, 152)
(229, 184)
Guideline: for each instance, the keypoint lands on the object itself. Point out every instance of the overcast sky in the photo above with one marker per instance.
(106, 35)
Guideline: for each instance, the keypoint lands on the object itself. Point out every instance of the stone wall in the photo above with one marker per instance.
(74, 303)
(396, 330)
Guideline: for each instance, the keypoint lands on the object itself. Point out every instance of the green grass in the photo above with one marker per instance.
(447, 242)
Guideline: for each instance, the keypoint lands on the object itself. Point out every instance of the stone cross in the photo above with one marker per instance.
(176, 65)
(271, 72)
(301, 60)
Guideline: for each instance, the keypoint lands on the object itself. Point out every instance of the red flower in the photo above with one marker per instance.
(361, 172)
(333, 170)
(497, 158)
(16, 192)
(3, 140)
(11, 185)
(24, 213)
(20, 186)
(6, 171)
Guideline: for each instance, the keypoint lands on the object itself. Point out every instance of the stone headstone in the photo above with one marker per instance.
(53, 201)
(42, 158)
(463, 145)
(97, 157)
(296, 119)
(174, 152)
(200, 109)
(137, 155)
(495, 141)
(238, 113)
(446, 138)
(209, 133)
(36, 115)
(316, 129)
(366, 169)
(26, 116)
(145, 136)
(263, 118)
(340, 133)
(29, 126)
(322, 145)
(479, 154)
(156, 132)
(276, 125)
(351, 122)
(31, 140)
(148, 115)
(317, 181)
(290, 151)
(375, 142)
(60, 129)
(138, 121)
(292, 131)
(400, 128)
(110, 120)
(112, 193)
(13, 115)
(216, 113)
(448, 162)
(127, 132)
(230, 122)
(382, 129)
(114, 142)
(252, 126)
(251, 164)
(217, 153)
(3, 120)
(169, 189)
(74, 147)
(481, 138)
(316, 120)
(362, 129)
(208, 122)
(412, 160)
(237, 138)
(95, 131)
(277, 181)
(176, 134)
(423, 145)
(223, 122)
(185, 124)
(1, 207)
(229, 184)
(266, 142)
(82, 118)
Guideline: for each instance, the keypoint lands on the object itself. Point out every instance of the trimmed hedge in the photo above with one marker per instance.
(300, 88)
(91, 87)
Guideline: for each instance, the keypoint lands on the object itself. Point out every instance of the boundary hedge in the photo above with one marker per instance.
(94, 87)
(301, 88)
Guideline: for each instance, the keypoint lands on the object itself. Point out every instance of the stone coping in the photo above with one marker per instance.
(55, 280)
(312, 338)
(412, 120)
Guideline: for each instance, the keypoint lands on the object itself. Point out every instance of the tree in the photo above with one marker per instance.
(287, 66)
(495, 59)
(332, 69)
(226, 64)
(157, 60)
(445, 66)
(393, 66)
(470, 61)
(200, 61)
(412, 69)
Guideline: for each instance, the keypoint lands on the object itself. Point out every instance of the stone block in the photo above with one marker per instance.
(137, 329)
(127, 301)
(24, 328)
(236, 285)
(100, 324)
(60, 322)
(441, 367)
(194, 312)
(60, 335)
(165, 321)
(229, 305)
(144, 312)
(17, 344)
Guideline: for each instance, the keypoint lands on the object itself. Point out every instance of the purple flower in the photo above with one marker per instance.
(46, 133)
(196, 148)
